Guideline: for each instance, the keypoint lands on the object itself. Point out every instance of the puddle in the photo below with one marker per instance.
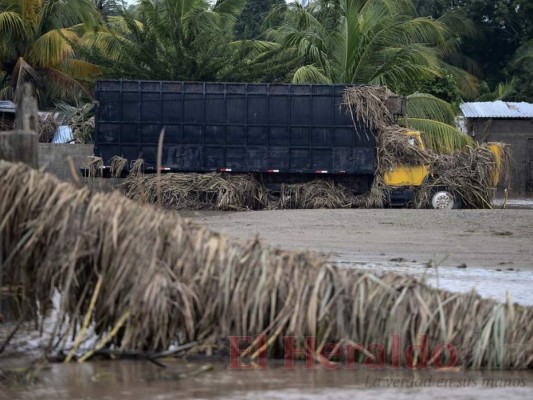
(514, 203)
(487, 282)
(142, 381)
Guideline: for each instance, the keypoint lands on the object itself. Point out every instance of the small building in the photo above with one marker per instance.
(511, 123)
(7, 115)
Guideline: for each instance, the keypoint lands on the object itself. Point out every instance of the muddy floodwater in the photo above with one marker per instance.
(181, 380)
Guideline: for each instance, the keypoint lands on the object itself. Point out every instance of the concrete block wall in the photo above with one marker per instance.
(53, 159)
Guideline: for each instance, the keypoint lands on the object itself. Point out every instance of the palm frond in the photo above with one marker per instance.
(121, 23)
(79, 69)
(523, 54)
(60, 85)
(109, 43)
(440, 137)
(252, 48)
(64, 14)
(310, 74)
(14, 24)
(467, 83)
(229, 7)
(427, 106)
(458, 21)
(52, 47)
(22, 73)
(402, 67)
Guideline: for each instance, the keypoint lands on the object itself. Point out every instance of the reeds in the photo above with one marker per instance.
(145, 277)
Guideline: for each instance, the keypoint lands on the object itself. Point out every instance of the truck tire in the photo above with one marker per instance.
(443, 199)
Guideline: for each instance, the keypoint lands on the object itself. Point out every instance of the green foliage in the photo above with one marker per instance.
(364, 41)
(250, 20)
(440, 137)
(500, 92)
(522, 69)
(505, 26)
(179, 40)
(444, 87)
(37, 40)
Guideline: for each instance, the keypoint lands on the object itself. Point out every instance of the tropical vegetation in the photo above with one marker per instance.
(416, 48)
(37, 42)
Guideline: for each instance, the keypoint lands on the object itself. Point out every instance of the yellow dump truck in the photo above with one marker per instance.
(403, 180)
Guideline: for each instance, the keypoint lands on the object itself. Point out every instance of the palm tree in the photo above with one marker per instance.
(37, 41)
(378, 42)
(175, 40)
(368, 42)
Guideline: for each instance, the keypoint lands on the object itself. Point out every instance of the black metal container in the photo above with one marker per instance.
(232, 127)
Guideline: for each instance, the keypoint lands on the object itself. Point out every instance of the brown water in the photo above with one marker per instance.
(142, 380)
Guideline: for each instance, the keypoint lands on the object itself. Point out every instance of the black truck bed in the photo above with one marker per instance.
(232, 127)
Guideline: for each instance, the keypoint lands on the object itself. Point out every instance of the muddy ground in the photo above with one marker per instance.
(494, 239)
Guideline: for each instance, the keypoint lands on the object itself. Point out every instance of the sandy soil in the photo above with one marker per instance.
(496, 239)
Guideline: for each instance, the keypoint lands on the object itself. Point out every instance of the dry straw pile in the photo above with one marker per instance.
(144, 277)
(199, 191)
(315, 194)
(214, 191)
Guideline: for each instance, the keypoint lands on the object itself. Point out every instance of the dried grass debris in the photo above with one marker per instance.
(95, 166)
(314, 194)
(368, 104)
(118, 166)
(199, 191)
(145, 277)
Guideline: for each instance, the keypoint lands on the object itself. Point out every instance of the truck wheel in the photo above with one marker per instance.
(443, 199)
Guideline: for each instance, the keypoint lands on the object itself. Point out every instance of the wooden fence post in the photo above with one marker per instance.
(21, 145)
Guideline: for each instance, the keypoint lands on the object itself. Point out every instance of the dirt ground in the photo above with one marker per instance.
(495, 239)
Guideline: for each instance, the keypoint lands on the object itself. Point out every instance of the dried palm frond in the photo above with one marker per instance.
(48, 125)
(315, 194)
(368, 104)
(117, 166)
(469, 173)
(80, 120)
(95, 166)
(198, 191)
(145, 277)
(137, 167)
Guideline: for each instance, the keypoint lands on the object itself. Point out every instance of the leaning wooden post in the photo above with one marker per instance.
(21, 145)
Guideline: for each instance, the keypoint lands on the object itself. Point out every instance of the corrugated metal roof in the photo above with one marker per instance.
(497, 109)
(7, 106)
